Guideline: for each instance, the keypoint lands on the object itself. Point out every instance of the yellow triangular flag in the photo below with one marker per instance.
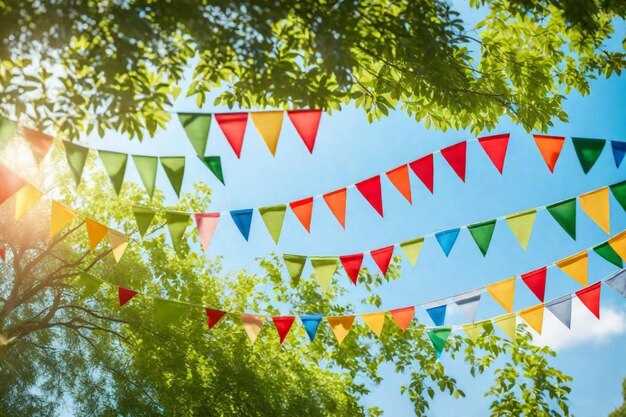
(596, 205)
(473, 330)
(503, 292)
(576, 266)
(118, 242)
(340, 326)
(268, 124)
(96, 232)
(533, 316)
(25, 199)
(252, 325)
(508, 324)
(618, 243)
(374, 321)
(521, 225)
(60, 216)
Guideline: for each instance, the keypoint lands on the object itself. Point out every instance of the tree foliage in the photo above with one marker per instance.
(621, 410)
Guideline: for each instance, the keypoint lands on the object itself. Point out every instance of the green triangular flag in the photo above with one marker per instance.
(76, 157)
(214, 163)
(174, 167)
(273, 218)
(607, 252)
(565, 214)
(521, 225)
(482, 233)
(177, 223)
(144, 217)
(439, 337)
(147, 168)
(324, 268)
(197, 128)
(295, 266)
(619, 192)
(168, 312)
(115, 165)
(88, 284)
(412, 249)
(7, 130)
(588, 151)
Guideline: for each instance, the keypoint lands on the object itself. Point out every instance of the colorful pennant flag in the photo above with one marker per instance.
(3, 254)
(412, 249)
(340, 326)
(352, 265)
(468, 303)
(596, 205)
(311, 323)
(306, 123)
(167, 313)
(474, 330)
(336, 202)
(550, 148)
(619, 192)
(177, 223)
(118, 242)
(455, 155)
(375, 321)
(8, 128)
(371, 190)
(273, 218)
(562, 309)
(618, 243)
(60, 216)
(76, 158)
(503, 292)
(424, 169)
(243, 220)
(144, 217)
(252, 325)
(617, 282)
(197, 128)
(482, 234)
(439, 337)
(495, 147)
(521, 225)
(233, 126)
(10, 183)
(88, 285)
(147, 168)
(437, 314)
(382, 258)
(303, 210)
(295, 266)
(533, 316)
(25, 199)
(40, 143)
(608, 253)
(576, 266)
(403, 316)
(447, 239)
(206, 224)
(536, 281)
(174, 167)
(96, 232)
(324, 268)
(588, 151)
(213, 316)
(564, 213)
(115, 166)
(283, 324)
(268, 124)
(590, 297)
(508, 324)
(214, 163)
(399, 177)
(619, 150)
(125, 295)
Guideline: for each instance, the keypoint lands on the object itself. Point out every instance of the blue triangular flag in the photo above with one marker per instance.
(447, 238)
(242, 219)
(311, 322)
(562, 309)
(617, 281)
(437, 314)
(619, 150)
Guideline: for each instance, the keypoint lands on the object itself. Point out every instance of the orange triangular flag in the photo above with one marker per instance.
(533, 316)
(596, 205)
(403, 316)
(96, 232)
(503, 292)
(550, 148)
(60, 216)
(118, 242)
(374, 321)
(576, 266)
(303, 209)
(399, 177)
(268, 124)
(340, 326)
(336, 201)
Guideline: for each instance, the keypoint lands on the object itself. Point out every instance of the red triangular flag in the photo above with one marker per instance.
(382, 257)
(10, 183)
(495, 147)
(234, 127)
(3, 254)
(590, 297)
(424, 168)
(536, 282)
(213, 316)
(370, 189)
(303, 209)
(125, 295)
(283, 325)
(352, 265)
(306, 123)
(399, 177)
(40, 143)
(456, 156)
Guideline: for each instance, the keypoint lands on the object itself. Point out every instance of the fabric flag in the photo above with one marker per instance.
(115, 166)
(214, 163)
(588, 151)
(596, 205)
(10, 183)
(508, 324)
(375, 321)
(536, 281)
(550, 148)
(473, 330)
(125, 295)
(503, 292)
(403, 316)
(340, 326)
(371, 190)
(306, 123)
(382, 257)
(168, 312)
(197, 128)
(213, 316)
(619, 192)
(303, 210)
(495, 147)
(144, 217)
(25, 199)
(88, 284)
(76, 158)
(243, 220)
(619, 150)
(437, 314)
(295, 266)
(174, 167)
(336, 202)
(352, 265)
(283, 324)
(60, 216)
(456, 157)
(562, 309)
(521, 225)
(252, 325)
(424, 168)
(3, 254)
(617, 281)
(273, 218)
(324, 268)
(468, 303)
(533, 316)
(147, 168)
(206, 224)
(40, 143)
(96, 232)
(576, 266)
(399, 177)
(482, 234)
(268, 124)
(590, 297)
(412, 249)
(233, 126)
(8, 128)
(118, 243)
(618, 244)
(446, 239)
(311, 323)
(608, 253)
(177, 223)
(565, 215)
(439, 337)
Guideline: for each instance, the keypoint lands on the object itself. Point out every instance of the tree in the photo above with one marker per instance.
(71, 67)
(621, 410)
